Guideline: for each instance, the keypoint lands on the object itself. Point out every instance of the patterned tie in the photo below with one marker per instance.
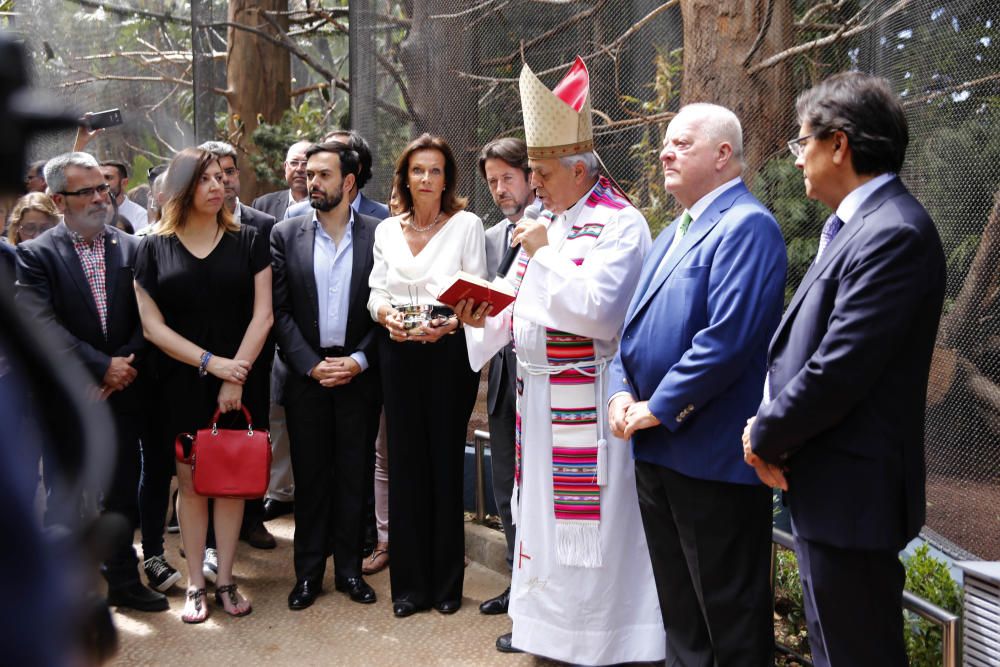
(830, 229)
(685, 223)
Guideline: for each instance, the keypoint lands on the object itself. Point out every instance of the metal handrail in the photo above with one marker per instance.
(480, 438)
(949, 623)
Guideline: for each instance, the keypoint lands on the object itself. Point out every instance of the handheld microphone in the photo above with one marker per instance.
(531, 213)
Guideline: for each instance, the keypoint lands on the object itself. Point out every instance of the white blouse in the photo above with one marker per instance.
(398, 277)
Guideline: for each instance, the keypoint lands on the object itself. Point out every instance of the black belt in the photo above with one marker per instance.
(332, 352)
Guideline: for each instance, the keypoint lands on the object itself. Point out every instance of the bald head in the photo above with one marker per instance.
(295, 169)
(702, 149)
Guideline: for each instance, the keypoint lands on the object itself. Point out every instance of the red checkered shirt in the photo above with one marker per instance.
(92, 260)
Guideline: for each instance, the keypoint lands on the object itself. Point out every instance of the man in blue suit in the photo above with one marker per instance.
(691, 359)
(843, 413)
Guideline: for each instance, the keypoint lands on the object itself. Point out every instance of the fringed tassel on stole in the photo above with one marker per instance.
(578, 543)
(602, 462)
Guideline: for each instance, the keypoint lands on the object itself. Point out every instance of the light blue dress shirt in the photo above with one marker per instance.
(332, 267)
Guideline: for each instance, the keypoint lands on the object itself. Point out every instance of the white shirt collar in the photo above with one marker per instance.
(356, 202)
(238, 213)
(853, 201)
(702, 204)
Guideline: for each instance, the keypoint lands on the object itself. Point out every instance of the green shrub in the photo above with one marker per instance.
(929, 579)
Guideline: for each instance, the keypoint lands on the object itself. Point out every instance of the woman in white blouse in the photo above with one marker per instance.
(428, 387)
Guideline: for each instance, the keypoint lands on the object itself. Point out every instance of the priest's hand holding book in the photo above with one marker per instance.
(474, 299)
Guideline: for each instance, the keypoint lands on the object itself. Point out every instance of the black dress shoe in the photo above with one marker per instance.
(136, 596)
(258, 537)
(448, 606)
(304, 594)
(497, 605)
(504, 645)
(275, 508)
(356, 588)
(403, 609)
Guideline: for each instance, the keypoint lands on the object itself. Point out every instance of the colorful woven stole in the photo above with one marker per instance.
(578, 453)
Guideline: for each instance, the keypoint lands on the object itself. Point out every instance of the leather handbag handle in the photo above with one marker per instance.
(246, 413)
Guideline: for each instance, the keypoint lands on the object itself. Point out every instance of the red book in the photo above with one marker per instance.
(498, 294)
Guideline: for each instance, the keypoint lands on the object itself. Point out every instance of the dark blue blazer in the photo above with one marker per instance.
(695, 337)
(366, 206)
(53, 290)
(848, 376)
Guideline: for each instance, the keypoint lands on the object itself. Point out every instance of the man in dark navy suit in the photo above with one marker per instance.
(841, 425)
(76, 281)
(691, 360)
(332, 395)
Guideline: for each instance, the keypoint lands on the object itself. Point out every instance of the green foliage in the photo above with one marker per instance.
(928, 578)
(779, 186)
(955, 172)
(651, 197)
(307, 122)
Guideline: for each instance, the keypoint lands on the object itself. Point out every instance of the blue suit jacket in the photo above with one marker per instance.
(849, 365)
(696, 333)
(366, 206)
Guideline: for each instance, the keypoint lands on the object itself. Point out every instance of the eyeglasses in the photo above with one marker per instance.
(87, 192)
(34, 228)
(296, 164)
(797, 145)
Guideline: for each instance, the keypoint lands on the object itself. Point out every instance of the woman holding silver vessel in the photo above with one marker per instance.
(429, 389)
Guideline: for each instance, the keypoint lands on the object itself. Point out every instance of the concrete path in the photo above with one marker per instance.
(334, 631)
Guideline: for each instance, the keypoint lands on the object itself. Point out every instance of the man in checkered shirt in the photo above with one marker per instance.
(76, 281)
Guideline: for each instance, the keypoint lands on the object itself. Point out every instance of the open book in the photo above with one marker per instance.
(462, 285)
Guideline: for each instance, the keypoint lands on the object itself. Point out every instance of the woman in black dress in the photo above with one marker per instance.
(204, 288)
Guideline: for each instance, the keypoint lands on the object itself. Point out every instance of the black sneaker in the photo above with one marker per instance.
(161, 576)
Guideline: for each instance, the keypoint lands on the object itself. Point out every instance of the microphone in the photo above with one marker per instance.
(531, 213)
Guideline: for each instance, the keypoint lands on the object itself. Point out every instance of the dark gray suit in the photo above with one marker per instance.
(500, 401)
(273, 203)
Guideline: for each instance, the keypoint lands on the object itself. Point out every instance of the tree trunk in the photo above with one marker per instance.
(259, 79)
(443, 103)
(718, 35)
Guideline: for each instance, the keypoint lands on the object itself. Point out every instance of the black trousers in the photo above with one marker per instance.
(710, 545)
(429, 394)
(158, 466)
(502, 456)
(854, 605)
(330, 431)
(122, 497)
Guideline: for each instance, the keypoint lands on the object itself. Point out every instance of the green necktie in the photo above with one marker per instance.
(685, 223)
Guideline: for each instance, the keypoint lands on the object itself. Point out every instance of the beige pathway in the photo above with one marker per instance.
(334, 631)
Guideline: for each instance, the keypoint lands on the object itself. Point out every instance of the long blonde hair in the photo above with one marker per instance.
(180, 182)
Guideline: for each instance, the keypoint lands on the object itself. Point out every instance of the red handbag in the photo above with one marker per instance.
(228, 463)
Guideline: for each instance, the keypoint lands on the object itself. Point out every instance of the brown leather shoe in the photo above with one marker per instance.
(258, 537)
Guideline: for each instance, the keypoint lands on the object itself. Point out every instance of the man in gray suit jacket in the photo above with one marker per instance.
(504, 165)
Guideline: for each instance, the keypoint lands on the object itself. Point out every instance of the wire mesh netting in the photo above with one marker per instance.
(450, 67)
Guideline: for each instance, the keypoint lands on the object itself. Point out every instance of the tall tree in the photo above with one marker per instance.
(258, 73)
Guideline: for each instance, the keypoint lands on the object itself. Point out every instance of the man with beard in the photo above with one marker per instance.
(321, 265)
(276, 203)
(503, 163)
(76, 281)
(116, 175)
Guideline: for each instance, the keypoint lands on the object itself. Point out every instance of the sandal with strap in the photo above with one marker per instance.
(234, 600)
(378, 560)
(197, 597)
